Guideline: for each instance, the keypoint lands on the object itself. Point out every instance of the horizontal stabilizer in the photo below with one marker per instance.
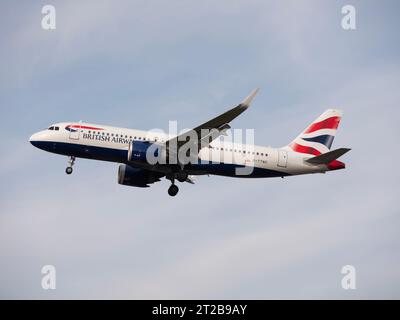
(328, 157)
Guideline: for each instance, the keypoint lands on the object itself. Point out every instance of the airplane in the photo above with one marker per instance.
(310, 152)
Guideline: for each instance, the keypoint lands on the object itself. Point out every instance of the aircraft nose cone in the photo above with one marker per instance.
(34, 139)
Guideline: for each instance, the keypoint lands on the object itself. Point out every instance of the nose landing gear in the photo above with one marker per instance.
(71, 162)
(68, 170)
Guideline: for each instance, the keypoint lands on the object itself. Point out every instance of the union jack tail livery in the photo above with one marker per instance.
(316, 140)
(318, 137)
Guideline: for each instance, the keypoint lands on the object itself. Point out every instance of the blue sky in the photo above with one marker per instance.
(140, 64)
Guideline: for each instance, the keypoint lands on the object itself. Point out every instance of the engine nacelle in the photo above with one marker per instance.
(136, 177)
(145, 152)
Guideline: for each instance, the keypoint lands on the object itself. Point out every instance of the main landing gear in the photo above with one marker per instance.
(173, 190)
(71, 162)
(181, 176)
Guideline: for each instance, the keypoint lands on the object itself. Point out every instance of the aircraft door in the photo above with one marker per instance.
(282, 158)
(75, 131)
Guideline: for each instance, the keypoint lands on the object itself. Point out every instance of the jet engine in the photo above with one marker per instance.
(136, 177)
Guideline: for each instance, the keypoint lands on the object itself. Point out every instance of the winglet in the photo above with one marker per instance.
(246, 102)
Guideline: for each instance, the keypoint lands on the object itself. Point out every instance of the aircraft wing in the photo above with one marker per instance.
(212, 129)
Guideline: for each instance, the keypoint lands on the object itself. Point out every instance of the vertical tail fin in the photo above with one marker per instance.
(318, 137)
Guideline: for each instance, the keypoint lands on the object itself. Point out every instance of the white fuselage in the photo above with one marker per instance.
(108, 143)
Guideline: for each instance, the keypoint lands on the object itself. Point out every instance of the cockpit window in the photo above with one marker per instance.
(51, 128)
(56, 128)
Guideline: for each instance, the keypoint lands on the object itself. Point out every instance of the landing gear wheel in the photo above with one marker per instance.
(173, 190)
(71, 162)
